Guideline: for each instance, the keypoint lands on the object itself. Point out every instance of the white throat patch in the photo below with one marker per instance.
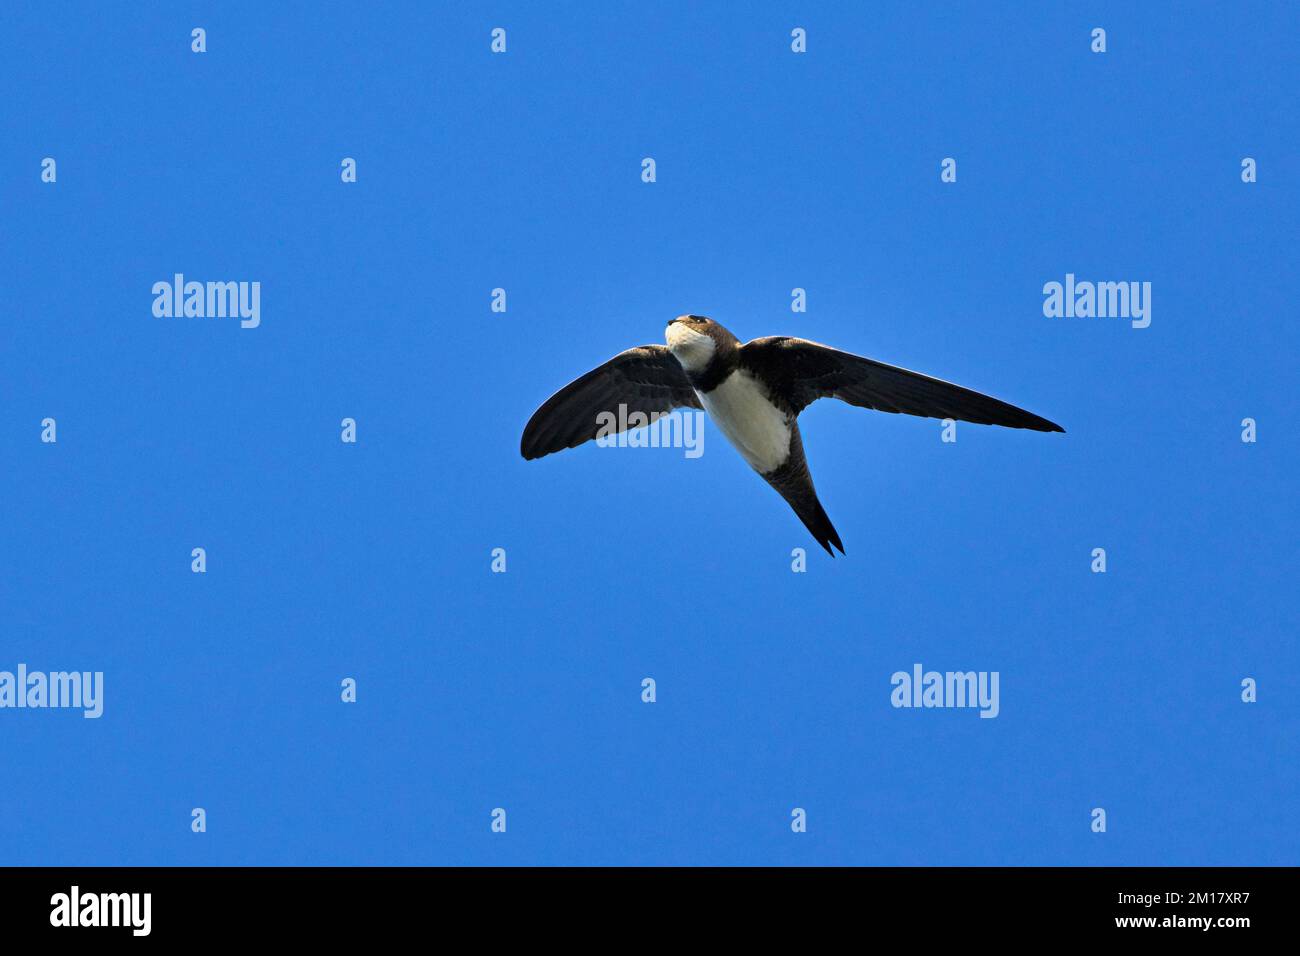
(693, 349)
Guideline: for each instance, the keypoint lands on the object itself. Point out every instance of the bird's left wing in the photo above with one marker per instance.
(646, 379)
(806, 371)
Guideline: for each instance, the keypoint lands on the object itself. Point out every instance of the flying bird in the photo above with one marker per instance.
(754, 393)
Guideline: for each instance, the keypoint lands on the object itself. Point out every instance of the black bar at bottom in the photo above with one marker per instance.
(334, 904)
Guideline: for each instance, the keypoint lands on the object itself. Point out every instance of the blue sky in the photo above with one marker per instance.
(523, 690)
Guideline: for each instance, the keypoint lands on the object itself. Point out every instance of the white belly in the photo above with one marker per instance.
(758, 429)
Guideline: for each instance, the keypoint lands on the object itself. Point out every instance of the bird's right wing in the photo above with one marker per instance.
(646, 379)
(805, 371)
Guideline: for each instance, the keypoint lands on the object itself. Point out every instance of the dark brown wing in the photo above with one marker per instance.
(646, 379)
(804, 371)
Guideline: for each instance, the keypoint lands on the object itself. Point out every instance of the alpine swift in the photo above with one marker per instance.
(754, 393)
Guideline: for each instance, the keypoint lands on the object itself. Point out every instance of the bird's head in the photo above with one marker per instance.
(694, 340)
